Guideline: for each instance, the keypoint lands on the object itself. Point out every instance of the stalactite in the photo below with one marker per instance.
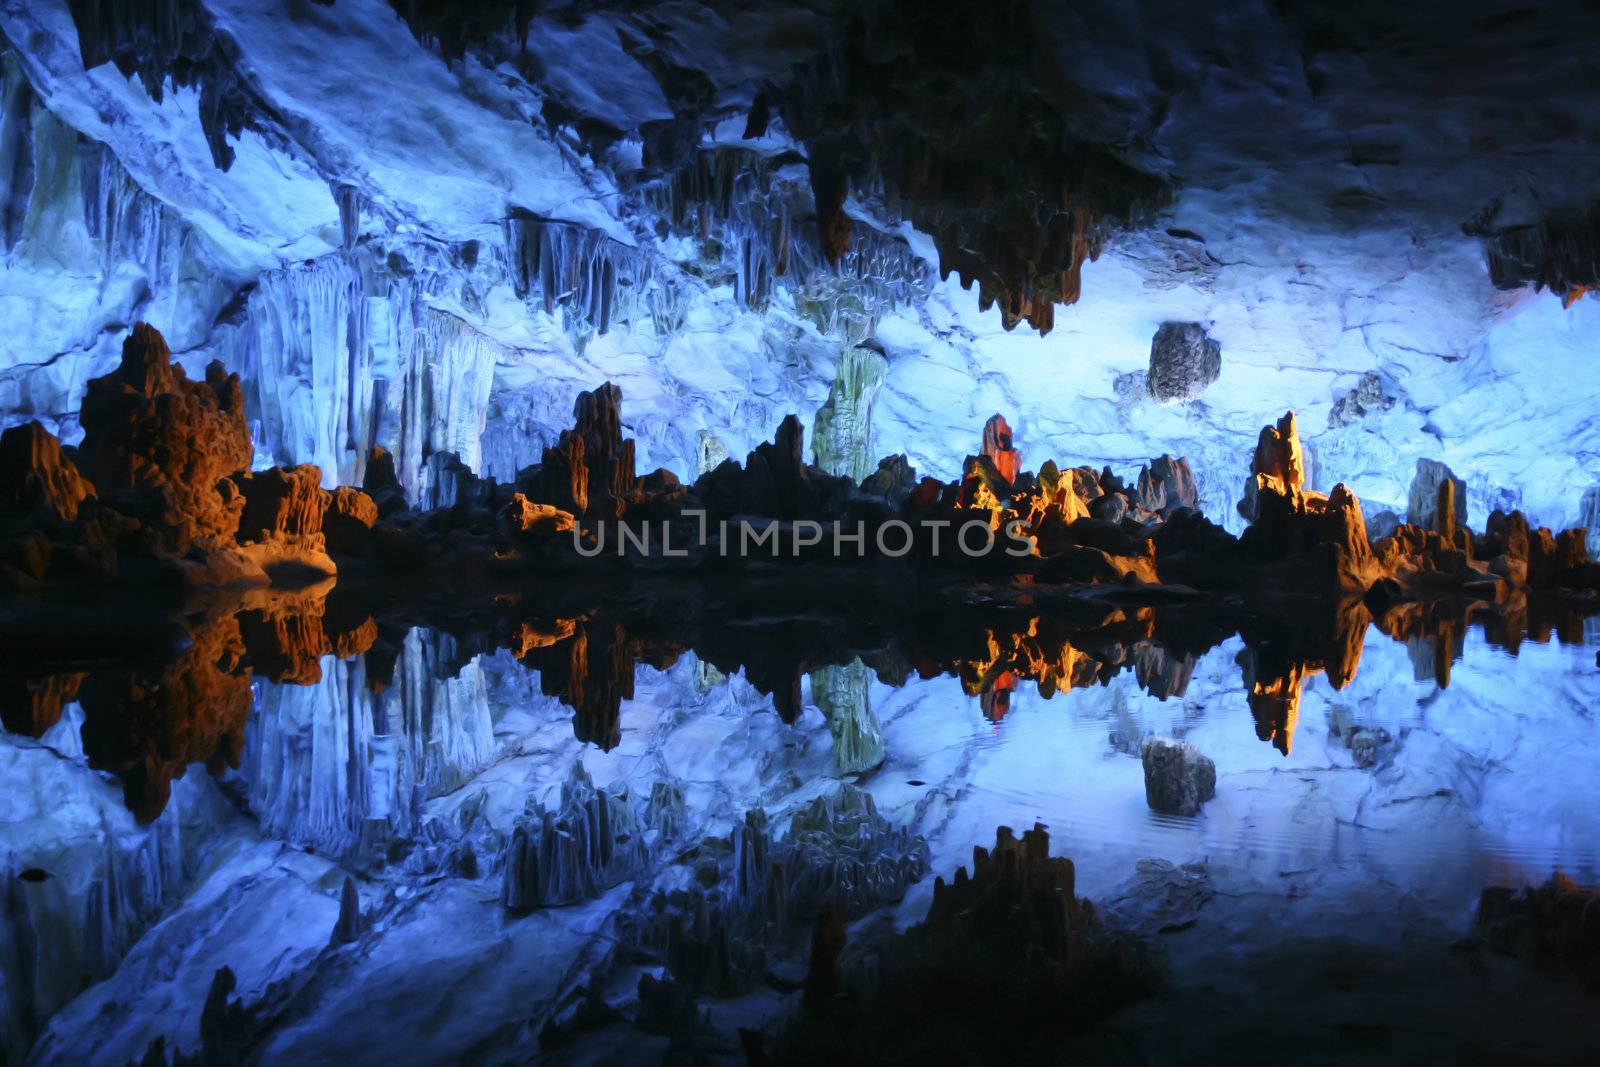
(592, 279)
(16, 152)
(173, 41)
(337, 363)
(303, 352)
(351, 202)
(744, 207)
(447, 372)
(69, 208)
(1560, 253)
(588, 843)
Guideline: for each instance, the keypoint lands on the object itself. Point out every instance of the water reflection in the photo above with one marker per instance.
(406, 705)
(625, 757)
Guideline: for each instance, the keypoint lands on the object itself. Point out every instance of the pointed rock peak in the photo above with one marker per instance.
(349, 925)
(1279, 453)
(790, 440)
(147, 362)
(997, 446)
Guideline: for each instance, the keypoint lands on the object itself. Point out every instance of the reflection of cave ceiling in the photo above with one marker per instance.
(706, 202)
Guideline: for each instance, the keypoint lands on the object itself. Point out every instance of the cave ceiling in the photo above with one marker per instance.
(1021, 136)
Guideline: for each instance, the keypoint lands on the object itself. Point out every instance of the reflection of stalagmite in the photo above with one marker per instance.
(590, 667)
(1275, 703)
(843, 694)
(30, 706)
(1274, 676)
(588, 843)
(147, 727)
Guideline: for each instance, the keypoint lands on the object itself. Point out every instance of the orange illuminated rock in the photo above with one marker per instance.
(522, 516)
(147, 727)
(347, 524)
(997, 446)
(1278, 464)
(150, 432)
(281, 522)
(35, 476)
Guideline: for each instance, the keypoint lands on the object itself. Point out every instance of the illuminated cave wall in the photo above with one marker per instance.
(441, 258)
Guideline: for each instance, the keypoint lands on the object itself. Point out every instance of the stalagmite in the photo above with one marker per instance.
(841, 436)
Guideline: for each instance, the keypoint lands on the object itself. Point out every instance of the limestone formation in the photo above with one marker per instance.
(1589, 518)
(1556, 924)
(767, 892)
(894, 480)
(347, 524)
(36, 476)
(1423, 501)
(348, 927)
(1165, 485)
(1560, 253)
(1178, 778)
(841, 436)
(997, 446)
(589, 471)
(1009, 940)
(1183, 361)
(166, 443)
(540, 520)
(587, 844)
(380, 483)
(148, 727)
(1369, 397)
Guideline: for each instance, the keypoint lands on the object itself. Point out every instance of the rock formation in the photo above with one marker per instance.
(1556, 924)
(997, 446)
(1560, 253)
(1422, 501)
(591, 841)
(1370, 396)
(1183, 361)
(36, 476)
(589, 471)
(1178, 778)
(166, 444)
(1009, 940)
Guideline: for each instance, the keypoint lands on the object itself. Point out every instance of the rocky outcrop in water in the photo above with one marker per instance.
(1178, 778)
